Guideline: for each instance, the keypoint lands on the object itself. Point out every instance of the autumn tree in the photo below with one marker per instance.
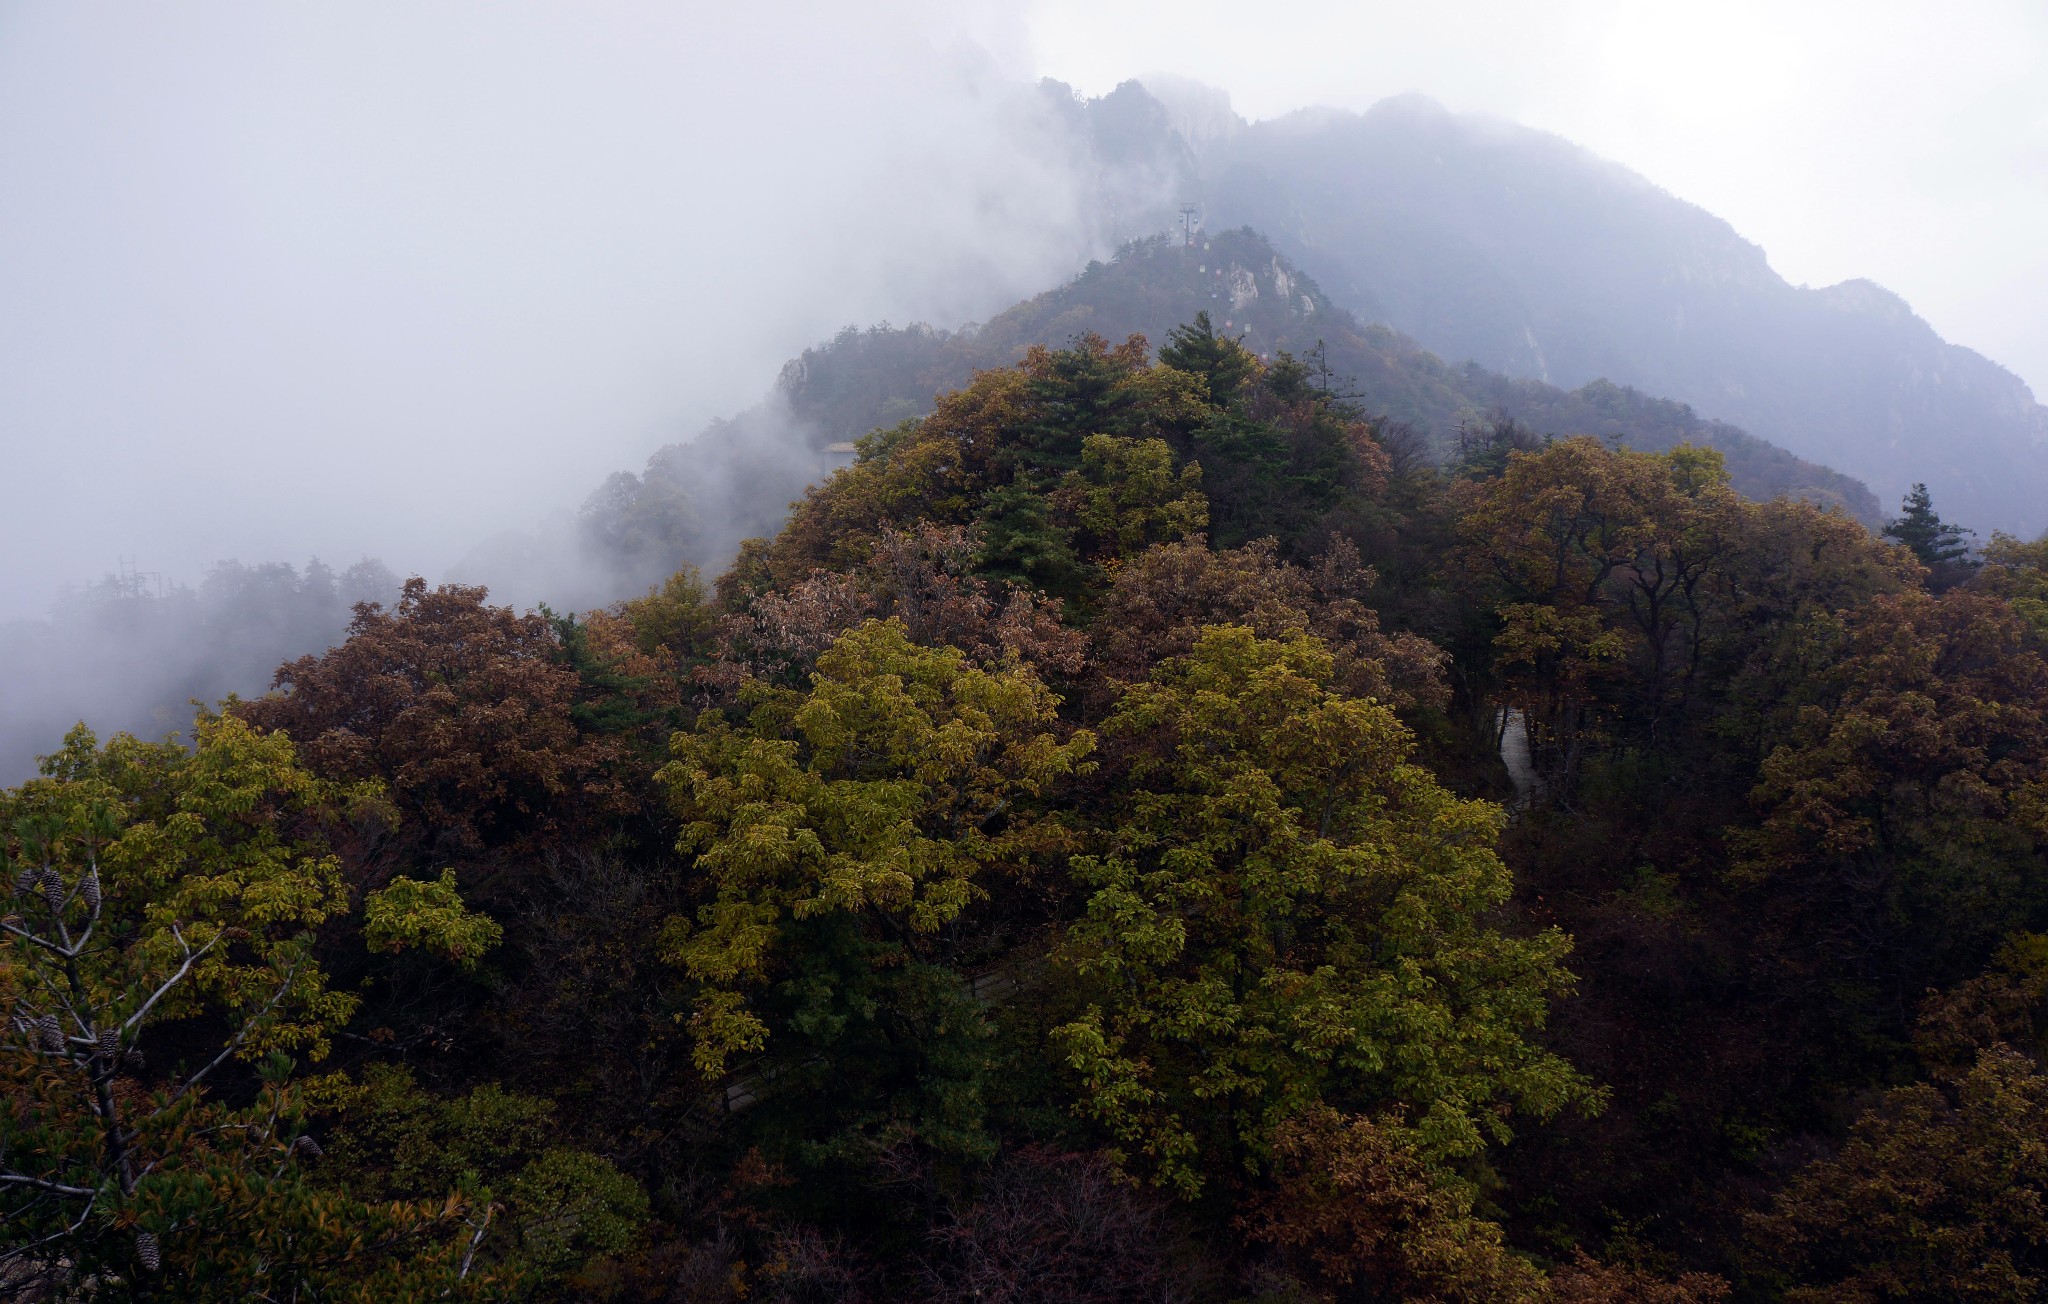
(1126, 495)
(1940, 1192)
(466, 711)
(1598, 563)
(1901, 818)
(543, 1210)
(842, 832)
(1281, 910)
(1080, 456)
(1357, 1211)
(936, 469)
(1163, 597)
(924, 577)
(2007, 1005)
(675, 619)
(160, 946)
(1792, 563)
(2018, 572)
(1057, 1228)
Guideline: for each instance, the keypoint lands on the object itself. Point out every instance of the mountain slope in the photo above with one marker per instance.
(867, 379)
(696, 500)
(1532, 257)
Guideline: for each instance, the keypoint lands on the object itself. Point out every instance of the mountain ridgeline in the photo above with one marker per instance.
(695, 501)
(1458, 280)
(1455, 271)
(1524, 253)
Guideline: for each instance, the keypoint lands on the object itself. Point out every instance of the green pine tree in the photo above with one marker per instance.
(1934, 541)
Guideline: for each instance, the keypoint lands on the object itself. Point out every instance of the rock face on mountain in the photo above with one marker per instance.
(1532, 257)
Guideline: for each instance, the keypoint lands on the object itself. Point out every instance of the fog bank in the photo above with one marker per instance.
(392, 279)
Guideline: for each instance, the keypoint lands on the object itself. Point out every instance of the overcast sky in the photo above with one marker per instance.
(384, 277)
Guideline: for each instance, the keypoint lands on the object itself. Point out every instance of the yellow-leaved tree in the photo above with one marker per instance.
(155, 885)
(1288, 914)
(841, 833)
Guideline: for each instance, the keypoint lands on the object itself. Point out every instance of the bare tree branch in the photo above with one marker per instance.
(192, 957)
(469, 1254)
(248, 1025)
(37, 938)
(42, 1184)
(21, 1250)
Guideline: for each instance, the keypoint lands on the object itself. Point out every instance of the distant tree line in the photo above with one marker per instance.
(132, 652)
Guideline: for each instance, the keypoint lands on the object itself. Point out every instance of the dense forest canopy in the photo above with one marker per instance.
(1072, 859)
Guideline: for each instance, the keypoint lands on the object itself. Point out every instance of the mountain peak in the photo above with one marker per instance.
(1200, 113)
(865, 379)
(1868, 298)
(1413, 105)
(1527, 253)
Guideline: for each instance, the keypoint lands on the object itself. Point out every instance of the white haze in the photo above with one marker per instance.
(1899, 140)
(396, 278)
(390, 278)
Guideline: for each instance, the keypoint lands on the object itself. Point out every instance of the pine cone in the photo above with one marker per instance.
(89, 888)
(110, 1042)
(25, 882)
(53, 889)
(307, 1148)
(147, 1250)
(53, 1032)
(132, 1061)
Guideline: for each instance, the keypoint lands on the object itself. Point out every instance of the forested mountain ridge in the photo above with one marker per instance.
(1067, 857)
(1260, 298)
(694, 502)
(690, 506)
(1494, 243)
(1067, 862)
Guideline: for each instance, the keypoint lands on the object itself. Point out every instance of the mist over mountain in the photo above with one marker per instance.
(133, 652)
(260, 259)
(696, 500)
(1278, 744)
(1455, 272)
(1120, 169)
(1522, 252)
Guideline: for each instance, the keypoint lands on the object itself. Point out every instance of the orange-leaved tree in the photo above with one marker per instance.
(466, 711)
